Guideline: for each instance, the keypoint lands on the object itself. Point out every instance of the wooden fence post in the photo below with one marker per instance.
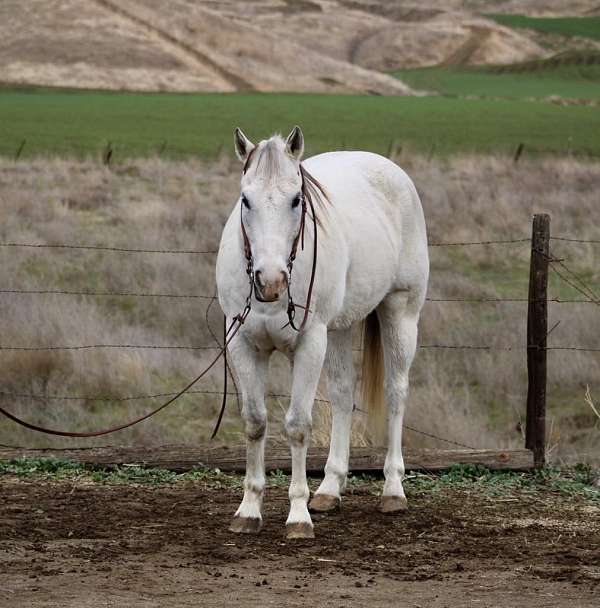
(537, 330)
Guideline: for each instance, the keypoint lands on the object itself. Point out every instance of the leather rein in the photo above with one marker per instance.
(308, 183)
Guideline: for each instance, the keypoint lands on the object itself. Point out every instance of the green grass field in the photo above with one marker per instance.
(521, 81)
(585, 27)
(54, 122)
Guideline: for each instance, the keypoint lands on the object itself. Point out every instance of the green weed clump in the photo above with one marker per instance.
(576, 481)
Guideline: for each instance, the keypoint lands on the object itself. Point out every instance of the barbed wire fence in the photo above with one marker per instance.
(556, 264)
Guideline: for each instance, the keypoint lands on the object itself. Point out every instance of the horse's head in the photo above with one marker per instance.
(271, 206)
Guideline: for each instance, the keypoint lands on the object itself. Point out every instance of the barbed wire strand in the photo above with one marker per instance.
(520, 300)
(572, 240)
(103, 293)
(214, 251)
(106, 248)
(114, 399)
(590, 292)
(591, 298)
(469, 243)
(108, 346)
(191, 347)
(212, 298)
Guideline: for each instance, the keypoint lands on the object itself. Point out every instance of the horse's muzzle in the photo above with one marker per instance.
(269, 290)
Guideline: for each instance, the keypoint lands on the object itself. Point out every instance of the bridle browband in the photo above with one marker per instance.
(309, 184)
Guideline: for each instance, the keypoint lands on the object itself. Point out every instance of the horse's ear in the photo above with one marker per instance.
(294, 144)
(243, 146)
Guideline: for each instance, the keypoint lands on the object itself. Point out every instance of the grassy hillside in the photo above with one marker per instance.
(53, 122)
(585, 27)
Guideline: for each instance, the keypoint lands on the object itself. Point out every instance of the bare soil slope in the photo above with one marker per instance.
(266, 45)
(80, 544)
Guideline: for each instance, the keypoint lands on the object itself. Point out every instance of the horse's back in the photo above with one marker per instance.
(376, 211)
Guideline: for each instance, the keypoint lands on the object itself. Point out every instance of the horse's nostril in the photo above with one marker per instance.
(257, 278)
(284, 278)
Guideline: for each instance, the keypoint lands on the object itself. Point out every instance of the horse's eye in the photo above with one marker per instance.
(296, 201)
(245, 201)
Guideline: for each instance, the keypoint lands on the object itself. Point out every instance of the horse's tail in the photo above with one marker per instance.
(372, 378)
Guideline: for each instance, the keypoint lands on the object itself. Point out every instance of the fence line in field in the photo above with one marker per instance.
(214, 251)
(207, 297)
(191, 296)
(582, 288)
(484, 347)
(105, 248)
(573, 280)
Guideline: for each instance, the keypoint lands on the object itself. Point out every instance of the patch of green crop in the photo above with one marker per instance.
(570, 82)
(584, 27)
(64, 123)
(569, 75)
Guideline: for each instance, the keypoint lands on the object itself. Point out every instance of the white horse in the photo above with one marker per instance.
(372, 266)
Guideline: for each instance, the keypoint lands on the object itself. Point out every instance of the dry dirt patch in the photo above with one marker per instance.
(73, 544)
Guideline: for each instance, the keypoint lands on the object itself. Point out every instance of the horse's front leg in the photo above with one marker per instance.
(308, 361)
(251, 368)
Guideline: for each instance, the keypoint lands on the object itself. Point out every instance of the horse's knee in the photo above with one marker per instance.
(297, 428)
(255, 423)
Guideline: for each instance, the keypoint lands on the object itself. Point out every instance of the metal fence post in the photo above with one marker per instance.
(537, 330)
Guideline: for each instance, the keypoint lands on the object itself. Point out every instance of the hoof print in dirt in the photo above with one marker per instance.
(245, 525)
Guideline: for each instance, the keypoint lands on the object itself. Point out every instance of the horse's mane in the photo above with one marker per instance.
(269, 158)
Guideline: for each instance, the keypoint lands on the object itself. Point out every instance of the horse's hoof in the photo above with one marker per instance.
(245, 525)
(299, 530)
(392, 504)
(322, 503)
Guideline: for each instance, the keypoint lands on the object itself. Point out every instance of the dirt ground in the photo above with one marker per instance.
(74, 543)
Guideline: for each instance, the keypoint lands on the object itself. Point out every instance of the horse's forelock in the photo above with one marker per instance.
(269, 155)
(267, 158)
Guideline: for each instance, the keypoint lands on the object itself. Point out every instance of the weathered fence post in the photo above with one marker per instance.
(20, 149)
(518, 152)
(107, 154)
(537, 330)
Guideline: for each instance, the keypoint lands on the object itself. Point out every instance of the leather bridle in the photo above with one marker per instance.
(306, 201)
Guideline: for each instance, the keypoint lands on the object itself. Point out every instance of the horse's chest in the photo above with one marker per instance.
(267, 334)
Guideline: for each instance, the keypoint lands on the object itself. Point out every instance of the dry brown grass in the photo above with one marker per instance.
(472, 397)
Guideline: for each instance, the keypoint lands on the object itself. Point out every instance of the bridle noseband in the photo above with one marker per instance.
(306, 201)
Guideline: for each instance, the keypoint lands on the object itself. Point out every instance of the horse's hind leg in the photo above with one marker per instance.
(338, 362)
(251, 369)
(398, 317)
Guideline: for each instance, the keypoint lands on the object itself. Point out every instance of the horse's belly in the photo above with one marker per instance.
(367, 283)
